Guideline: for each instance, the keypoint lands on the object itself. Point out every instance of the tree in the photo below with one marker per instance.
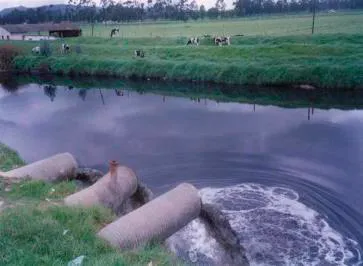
(88, 8)
(213, 13)
(202, 11)
(105, 4)
(220, 6)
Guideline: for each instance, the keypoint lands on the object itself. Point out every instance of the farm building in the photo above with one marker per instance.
(49, 31)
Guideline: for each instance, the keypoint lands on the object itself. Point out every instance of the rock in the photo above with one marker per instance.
(142, 195)
(306, 87)
(88, 175)
(219, 227)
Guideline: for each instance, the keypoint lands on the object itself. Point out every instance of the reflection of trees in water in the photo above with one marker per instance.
(82, 94)
(9, 84)
(50, 91)
(119, 92)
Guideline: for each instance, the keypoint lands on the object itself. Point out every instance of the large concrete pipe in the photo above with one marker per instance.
(156, 220)
(57, 167)
(111, 191)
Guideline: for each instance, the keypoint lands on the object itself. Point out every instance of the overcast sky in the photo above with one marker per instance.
(34, 3)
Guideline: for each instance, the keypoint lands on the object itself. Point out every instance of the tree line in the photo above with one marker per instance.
(135, 10)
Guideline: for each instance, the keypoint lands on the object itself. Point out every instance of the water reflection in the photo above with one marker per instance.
(50, 91)
(208, 142)
(82, 94)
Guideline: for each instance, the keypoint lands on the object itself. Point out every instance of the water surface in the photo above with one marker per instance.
(289, 179)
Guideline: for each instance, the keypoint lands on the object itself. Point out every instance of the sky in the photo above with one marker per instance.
(35, 3)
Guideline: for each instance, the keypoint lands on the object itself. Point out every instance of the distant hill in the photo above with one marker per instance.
(6, 11)
(52, 8)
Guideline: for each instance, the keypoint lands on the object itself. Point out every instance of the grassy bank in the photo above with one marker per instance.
(331, 59)
(36, 229)
(283, 97)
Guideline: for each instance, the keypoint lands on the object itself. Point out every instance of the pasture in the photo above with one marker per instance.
(274, 25)
(274, 51)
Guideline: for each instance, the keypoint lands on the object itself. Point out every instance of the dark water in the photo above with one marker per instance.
(290, 180)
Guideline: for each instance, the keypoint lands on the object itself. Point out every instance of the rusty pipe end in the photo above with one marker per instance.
(113, 167)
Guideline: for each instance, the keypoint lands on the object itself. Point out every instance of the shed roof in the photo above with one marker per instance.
(24, 28)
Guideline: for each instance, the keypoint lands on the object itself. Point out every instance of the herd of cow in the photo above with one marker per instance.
(64, 49)
(218, 40)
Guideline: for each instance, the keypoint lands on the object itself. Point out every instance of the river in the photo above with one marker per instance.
(290, 179)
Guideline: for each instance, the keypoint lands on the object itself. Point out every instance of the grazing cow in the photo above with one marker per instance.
(113, 32)
(65, 48)
(225, 40)
(36, 50)
(193, 41)
(139, 53)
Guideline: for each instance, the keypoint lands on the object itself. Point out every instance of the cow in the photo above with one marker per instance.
(65, 48)
(224, 40)
(193, 41)
(113, 32)
(36, 50)
(139, 53)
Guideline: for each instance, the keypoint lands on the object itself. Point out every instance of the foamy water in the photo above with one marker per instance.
(274, 227)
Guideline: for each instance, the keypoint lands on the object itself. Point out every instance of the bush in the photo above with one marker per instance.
(78, 49)
(7, 54)
(45, 49)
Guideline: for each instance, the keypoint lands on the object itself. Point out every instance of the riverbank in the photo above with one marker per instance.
(325, 61)
(292, 97)
(36, 229)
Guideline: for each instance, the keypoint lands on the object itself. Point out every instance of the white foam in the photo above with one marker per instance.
(276, 228)
(195, 240)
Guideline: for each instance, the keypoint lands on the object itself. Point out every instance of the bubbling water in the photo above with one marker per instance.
(274, 227)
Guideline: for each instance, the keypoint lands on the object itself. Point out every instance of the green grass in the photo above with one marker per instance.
(9, 158)
(328, 59)
(39, 190)
(275, 25)
(34, 235)
(36, 229)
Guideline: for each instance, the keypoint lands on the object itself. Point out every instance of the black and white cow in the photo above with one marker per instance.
(139, 53)
(65, 48)
(114, 31)
(224, 40)
(193, 41)
(36, 50)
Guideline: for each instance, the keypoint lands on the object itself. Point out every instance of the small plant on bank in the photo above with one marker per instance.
(78, 49)
(7, 54)
(45, 49)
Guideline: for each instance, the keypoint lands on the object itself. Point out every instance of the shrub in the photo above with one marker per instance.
(78, 49)
(7, 54)
(45, 49)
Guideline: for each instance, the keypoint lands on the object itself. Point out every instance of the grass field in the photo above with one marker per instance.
(275, 25)
(37, 229)
(276, 51)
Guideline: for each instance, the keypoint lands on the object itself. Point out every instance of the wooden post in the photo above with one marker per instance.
(314, 11)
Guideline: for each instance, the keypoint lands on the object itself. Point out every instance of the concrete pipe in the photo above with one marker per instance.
(57, 167)
(111, 191)
(156, 220)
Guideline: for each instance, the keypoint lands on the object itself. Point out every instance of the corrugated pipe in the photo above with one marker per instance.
(156, 220)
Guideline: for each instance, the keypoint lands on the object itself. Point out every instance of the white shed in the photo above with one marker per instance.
(4, 34)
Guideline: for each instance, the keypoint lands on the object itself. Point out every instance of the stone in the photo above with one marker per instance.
(142, 196)
(88, 175)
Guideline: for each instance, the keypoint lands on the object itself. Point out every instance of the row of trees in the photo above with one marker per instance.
(131, 10)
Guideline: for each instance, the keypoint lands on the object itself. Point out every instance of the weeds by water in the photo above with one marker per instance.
(324, 60)
(9, 158)
(36, 229)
